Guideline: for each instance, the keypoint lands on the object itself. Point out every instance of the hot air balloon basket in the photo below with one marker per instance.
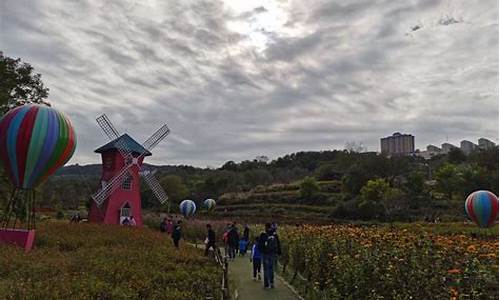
(17, 225)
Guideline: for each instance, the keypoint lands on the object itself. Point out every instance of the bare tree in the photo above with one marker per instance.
(355, 146)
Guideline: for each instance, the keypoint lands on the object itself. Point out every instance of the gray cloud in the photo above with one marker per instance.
(333, 72)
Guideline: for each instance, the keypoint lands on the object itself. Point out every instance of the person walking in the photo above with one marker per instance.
(255, 258)
(177, 234)
(163, 225)
(225, 239)
(170, 227)
(210, 240)
(233, 240)
(270, 248)
(243, 244)
(246, 233)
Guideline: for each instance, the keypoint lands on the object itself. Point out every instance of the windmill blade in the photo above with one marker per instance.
(111, 185)
(107, 127)
(113, 134)
(155, 186)
(156, 138)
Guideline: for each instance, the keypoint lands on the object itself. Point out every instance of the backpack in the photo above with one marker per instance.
(271, 245)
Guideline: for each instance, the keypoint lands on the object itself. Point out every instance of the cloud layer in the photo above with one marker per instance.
(235, 80)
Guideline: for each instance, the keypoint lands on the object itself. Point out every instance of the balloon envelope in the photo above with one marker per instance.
(482, 208)
(187, 208)
(209, 204)
(35, 141)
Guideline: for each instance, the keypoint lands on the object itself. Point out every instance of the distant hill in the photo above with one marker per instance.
(92, 170)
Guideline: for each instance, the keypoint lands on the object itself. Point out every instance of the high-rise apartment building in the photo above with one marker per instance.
(398, 144)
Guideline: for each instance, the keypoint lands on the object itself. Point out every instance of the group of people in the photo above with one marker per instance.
(233, 243)
(173, 229)
(264, 251)
(129, 221)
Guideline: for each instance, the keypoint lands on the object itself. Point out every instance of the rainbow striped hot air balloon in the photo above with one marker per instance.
(482, 208)
(35, 140)
(209, 204)
(187, 208)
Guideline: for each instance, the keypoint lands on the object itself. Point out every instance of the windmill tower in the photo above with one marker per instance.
(122, 167)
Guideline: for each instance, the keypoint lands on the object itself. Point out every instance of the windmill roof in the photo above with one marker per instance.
(127, 142)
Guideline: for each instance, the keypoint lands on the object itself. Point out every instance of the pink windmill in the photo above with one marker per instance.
(122, 166)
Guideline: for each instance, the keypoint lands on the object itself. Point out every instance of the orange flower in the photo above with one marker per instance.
(471, 248)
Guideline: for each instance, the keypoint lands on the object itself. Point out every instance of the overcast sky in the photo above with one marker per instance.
(238, 79)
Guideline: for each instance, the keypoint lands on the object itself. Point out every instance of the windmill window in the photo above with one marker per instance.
(125, 211)
(127, 183)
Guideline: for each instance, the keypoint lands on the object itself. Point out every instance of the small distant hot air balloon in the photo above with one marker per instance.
(482, 208)
(187, 208)
(35, 141)
(209, 204)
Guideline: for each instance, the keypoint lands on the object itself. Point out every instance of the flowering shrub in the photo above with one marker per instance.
(377, 262)
(89, 261)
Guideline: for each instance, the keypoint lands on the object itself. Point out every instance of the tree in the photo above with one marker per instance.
(473, 178)
(456, 156)
(326, 172)
(175, 188)
(19, 84)
(373, 197)
(252, 178)
(447, 179)
(354, 180)
(355, 147)
(415, 189)
(309, 187)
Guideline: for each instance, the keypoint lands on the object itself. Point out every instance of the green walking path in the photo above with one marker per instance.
(245, 288)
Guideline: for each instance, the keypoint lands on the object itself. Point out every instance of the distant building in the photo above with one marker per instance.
(446, 147)
(434, 149)
(485, 143)
(430, 152)
(467, 147)
(398, 144)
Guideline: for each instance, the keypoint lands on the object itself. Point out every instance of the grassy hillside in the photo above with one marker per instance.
(88, 261)
(281, 201)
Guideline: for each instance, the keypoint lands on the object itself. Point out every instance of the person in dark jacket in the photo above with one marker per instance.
(177, 234)
(246, 233)
(270, 248)
(163, 225)
(210, 240)
(233, 241)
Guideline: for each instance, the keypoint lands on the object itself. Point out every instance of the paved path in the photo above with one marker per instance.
(240, 275)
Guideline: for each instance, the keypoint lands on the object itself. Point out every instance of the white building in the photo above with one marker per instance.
(446, 147)
(485, 143)
(467, 147)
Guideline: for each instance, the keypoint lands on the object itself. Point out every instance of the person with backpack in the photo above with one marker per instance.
(270, 248)
(255, 258)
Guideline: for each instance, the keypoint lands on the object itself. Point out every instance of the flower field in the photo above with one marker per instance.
(86, 261)
(385, 262)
